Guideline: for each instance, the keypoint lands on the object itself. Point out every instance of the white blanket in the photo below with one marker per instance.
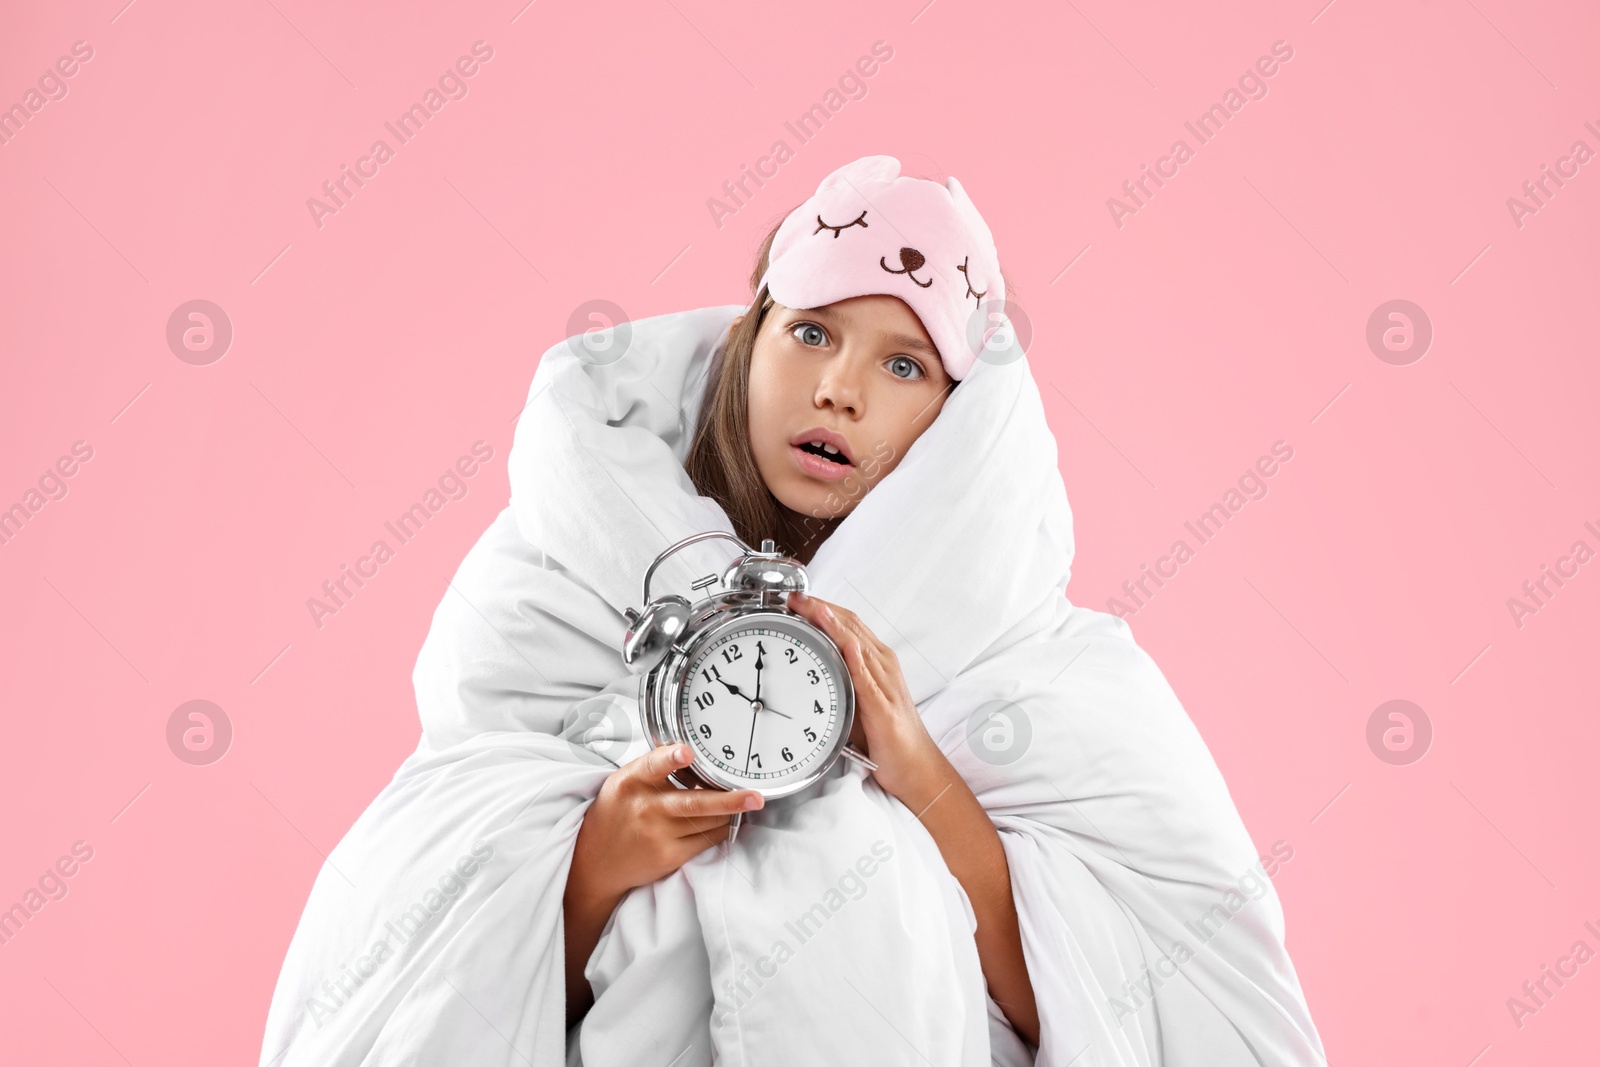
(832, 932)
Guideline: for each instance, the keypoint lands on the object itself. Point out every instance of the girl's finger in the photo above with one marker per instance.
(845, 627)
(697, 803)
(703, 824)
(694, 844)
(862, 672)
(874, 646)
(821, 615)
(835, 622)
(654, 766)
(813, 609)
(852, 623)
(830, 617)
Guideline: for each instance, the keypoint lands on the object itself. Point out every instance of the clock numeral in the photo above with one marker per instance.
(788, 757)
(811, 734)
(727, 751)
(757, 757)
(790, 653)
(713, 675)
(760, 648)
(705, 700)
(816, 707)
(731, 653)
(814, 678)
(705, 730)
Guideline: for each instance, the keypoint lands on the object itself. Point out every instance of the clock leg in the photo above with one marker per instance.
(852, 753)
(733, 828)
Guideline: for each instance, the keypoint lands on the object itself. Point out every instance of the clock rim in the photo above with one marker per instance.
(664, 718)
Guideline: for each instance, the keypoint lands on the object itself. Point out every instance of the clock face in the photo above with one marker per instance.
(761, 704)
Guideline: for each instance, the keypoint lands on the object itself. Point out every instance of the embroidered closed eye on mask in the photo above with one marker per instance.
(868, 230)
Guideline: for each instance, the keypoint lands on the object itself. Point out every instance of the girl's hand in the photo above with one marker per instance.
(888, 727)
(913, 770)
(641, 827)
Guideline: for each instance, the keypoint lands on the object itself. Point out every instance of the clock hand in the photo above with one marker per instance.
(734, 689)
(759, 653)
(751, 746)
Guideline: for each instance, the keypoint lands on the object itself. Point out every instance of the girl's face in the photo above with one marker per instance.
(862, 375)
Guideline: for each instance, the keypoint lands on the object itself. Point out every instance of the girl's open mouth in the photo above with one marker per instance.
(820, 464)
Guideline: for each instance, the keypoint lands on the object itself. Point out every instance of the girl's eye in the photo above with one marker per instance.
(808, 333)
(813, 336)
(906, 361)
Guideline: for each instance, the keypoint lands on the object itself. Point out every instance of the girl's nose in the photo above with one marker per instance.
(840, 385)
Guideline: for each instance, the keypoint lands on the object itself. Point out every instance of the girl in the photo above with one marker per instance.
(807, 409)
(1046, 865)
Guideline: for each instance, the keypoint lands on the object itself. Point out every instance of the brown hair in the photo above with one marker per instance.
(721, 463)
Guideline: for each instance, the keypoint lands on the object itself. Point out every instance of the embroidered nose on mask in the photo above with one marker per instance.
(910, 260)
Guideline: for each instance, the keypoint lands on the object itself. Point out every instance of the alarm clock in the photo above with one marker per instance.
(762, 697)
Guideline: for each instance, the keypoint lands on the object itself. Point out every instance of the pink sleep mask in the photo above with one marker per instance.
(867, 230)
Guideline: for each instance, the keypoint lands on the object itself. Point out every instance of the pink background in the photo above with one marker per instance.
(368, 354)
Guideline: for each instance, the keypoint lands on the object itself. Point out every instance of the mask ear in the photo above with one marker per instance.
(866, 170)
(968, 214)
(984, 257)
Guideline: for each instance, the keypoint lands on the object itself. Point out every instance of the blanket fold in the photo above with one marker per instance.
(832, 931)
